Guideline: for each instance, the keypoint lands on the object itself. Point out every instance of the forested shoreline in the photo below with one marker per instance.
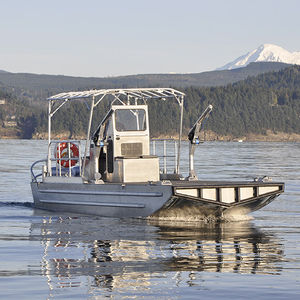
(264, 105)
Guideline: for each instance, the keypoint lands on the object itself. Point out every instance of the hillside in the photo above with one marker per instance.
(34, 87)
(269, 102)
(266, 104)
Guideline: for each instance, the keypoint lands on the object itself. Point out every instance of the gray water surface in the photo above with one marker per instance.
(46, 255)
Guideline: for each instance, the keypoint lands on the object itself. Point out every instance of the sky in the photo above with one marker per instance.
(95, 38)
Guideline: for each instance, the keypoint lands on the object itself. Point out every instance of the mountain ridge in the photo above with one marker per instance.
(264, 53)
(35, 87)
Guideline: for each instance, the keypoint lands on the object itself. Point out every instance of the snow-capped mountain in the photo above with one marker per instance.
(265, 52)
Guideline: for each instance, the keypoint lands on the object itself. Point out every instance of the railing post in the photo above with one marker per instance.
(175, 157)
(79, 143)
(59, 156)
(69, 158)
(165, 156)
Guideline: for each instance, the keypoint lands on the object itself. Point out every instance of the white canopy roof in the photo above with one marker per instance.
(140, 93)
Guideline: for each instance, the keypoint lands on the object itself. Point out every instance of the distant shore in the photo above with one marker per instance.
(206, 136)
(268, 137)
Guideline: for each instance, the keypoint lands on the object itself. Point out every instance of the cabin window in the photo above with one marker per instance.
(130, 119)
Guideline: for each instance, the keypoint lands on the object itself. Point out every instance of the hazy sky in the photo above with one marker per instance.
(108, 38)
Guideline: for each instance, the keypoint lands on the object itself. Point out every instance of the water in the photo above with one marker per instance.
(45, 255)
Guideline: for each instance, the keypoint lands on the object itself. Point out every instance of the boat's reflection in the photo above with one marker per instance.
(222, 247)
(114, 254)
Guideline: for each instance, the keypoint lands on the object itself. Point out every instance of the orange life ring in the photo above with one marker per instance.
(62, 151)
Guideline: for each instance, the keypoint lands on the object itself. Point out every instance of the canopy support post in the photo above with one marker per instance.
(49, 139)
(180, 134)
(88, 134)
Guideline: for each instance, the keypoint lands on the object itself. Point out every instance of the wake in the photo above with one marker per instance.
(17, 204)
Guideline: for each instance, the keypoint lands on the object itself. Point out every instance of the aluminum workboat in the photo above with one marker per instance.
(118, 171)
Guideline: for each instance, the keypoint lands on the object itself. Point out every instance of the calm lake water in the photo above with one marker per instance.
(46, 255)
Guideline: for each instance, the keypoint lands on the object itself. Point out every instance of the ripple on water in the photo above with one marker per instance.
(60, 255)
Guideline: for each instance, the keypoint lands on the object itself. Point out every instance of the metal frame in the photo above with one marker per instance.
(97, 96)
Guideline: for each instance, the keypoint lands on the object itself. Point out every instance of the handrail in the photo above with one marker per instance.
(34, 177)
(164, 151)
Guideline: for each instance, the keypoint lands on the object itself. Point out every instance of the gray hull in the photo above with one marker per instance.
(111, 200)
(176, 200)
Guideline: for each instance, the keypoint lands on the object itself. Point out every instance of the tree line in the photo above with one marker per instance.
(269, 101)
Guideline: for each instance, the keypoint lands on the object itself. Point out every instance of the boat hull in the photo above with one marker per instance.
(172, 200)
(111, 200)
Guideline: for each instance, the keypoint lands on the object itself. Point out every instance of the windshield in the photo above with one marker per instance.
(130, 119)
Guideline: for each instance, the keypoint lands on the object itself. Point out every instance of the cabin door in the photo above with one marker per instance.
(131, 131)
